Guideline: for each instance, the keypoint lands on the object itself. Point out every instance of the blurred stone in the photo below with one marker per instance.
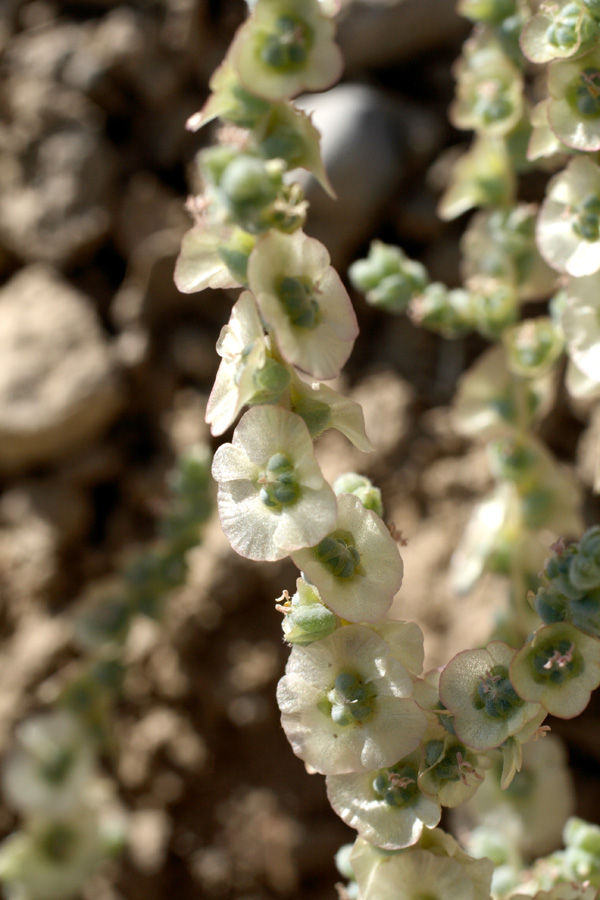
(391, 32)
(193, 352)
(38, 520)
(61, 506)
(56, 173)
(146, 207)
(58, 385)
(366, 138)
(149, 290)
(30, 654)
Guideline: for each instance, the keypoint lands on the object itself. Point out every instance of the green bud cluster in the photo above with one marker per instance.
(251, 191)
(442, 310)
(570, 591)
(388, 277)
(306, 618)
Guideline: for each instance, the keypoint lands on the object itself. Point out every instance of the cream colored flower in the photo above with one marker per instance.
(50, 765)
(345, 703)
(286, 46)
(568, 231)
(357, 566)
(435, 869)
(272, 496)
(302, 299)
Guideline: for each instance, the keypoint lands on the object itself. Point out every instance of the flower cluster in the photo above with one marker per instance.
(397, 746)
(72, 822)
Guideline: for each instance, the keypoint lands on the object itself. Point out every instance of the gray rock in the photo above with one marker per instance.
(367, 137)
(58, 385)
(56, 171)
(375, 33)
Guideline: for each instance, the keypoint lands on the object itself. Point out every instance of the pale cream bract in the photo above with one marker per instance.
(568, 233)
(385, 806)
(272, 496)
(286, 47)
(436, 869)
(581, 324)
(49, 766)
(242, 347)
(346, 703)
(357, 567)
(302, 299)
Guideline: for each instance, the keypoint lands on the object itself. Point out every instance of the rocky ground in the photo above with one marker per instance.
(105, 373)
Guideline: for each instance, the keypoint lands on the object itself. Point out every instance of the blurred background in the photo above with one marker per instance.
(104, 375)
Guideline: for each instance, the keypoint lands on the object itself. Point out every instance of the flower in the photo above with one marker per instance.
(272, 497)
(574, 104)
(490, 397)
(452, 773)
(345, 703)
(229, 101)
(386, 806)
(286, 46)
(559, 668)
(568, 232)
(556, 31)
(531, 812)
(357, 566)
(489, 96)
(50, 859)
(242, 347)
(323, 408)
(581, 324)
(436, 869)
(500, 243)
(201, 262)
(483, 176)
(476, 687)
(49, 766)
(533, 346)
(302, 299)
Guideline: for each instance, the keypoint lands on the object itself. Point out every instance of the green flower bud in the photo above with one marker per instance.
(235, 253)
(247, 181)
(445, 311)
(215, 160)
(270, 382)
(363, 488)
(389, 279)
(306, 619)
(492, 11)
